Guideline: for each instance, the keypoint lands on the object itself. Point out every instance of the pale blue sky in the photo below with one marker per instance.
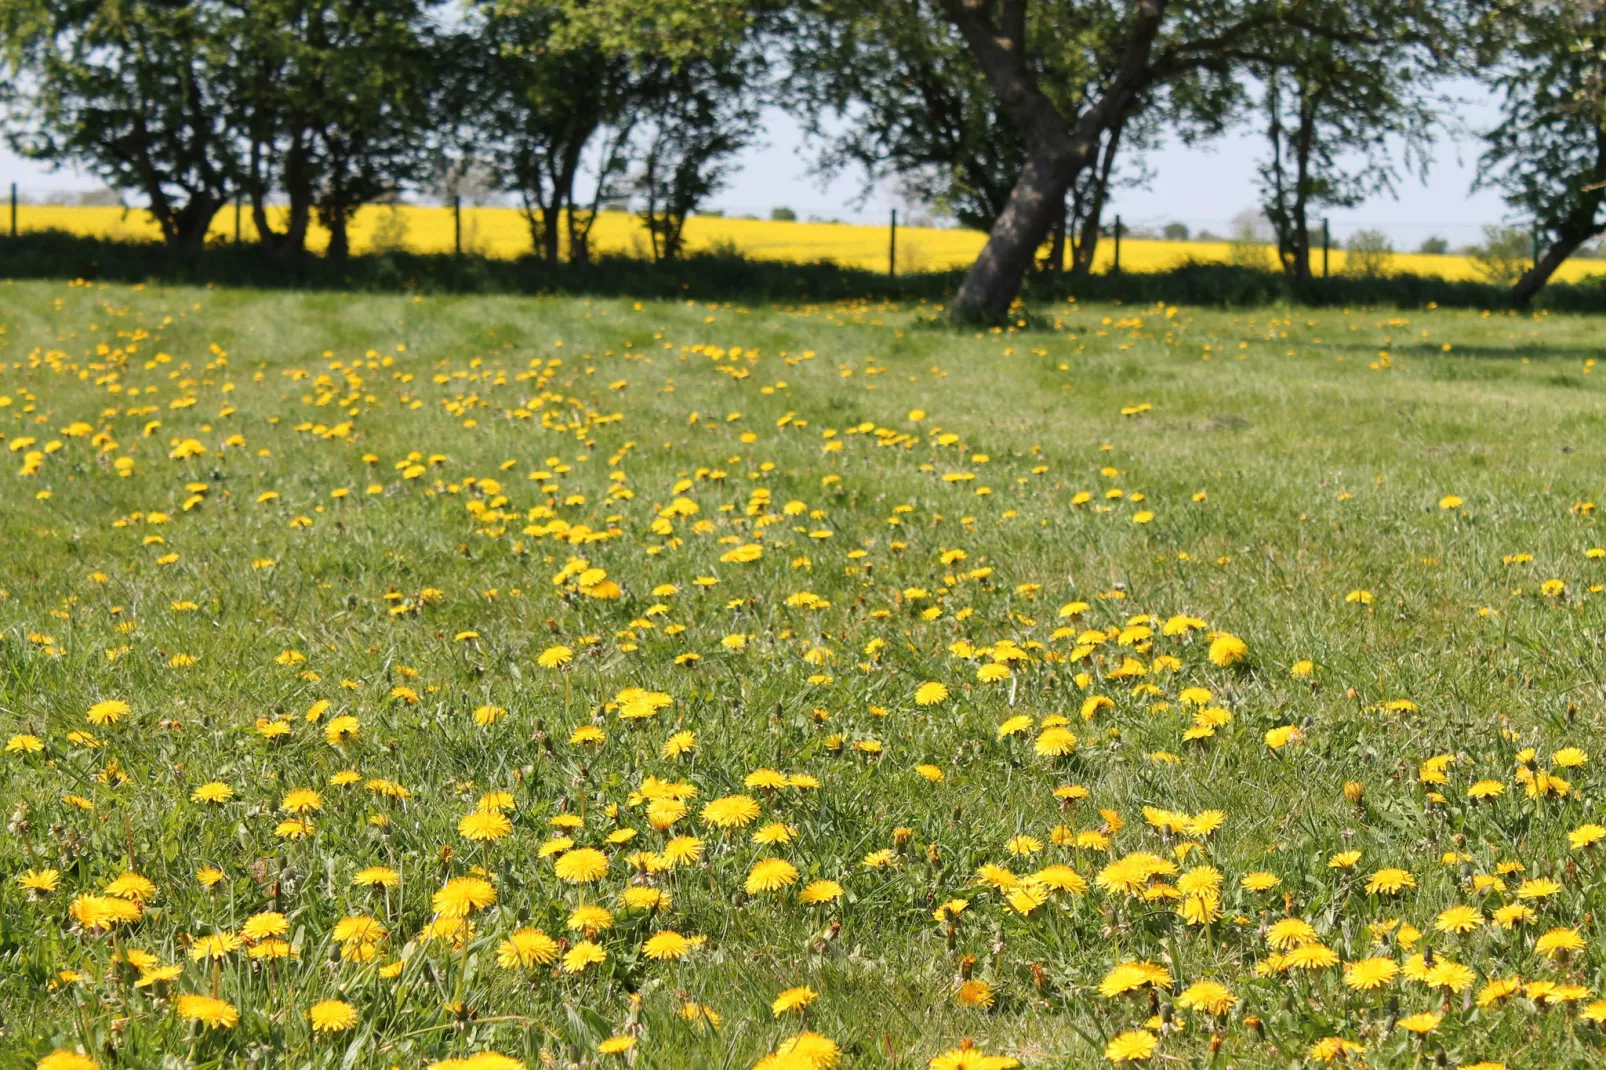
(1204, 187)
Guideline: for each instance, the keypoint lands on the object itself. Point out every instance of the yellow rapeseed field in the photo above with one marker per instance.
(503, 234)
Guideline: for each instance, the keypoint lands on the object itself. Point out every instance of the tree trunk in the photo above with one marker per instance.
(579, 235)
(1088, 242)
(1535, 277)
(1057, 150)
(1299, 261)
(190, 223)
(995, 278)
(293, 239)
(549, 231)
(1277, 212)
(1304, 146)
(335, 218)
(563, 190)
(1579, 227)
(1055, 264)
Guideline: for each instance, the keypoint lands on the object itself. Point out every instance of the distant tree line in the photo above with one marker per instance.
(1016, 117)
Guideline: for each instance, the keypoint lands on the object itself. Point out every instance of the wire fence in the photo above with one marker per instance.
(1405, 235)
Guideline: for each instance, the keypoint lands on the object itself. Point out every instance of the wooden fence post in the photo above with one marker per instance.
(892, 247)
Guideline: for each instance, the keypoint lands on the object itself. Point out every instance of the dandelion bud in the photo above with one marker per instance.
(1354, 791)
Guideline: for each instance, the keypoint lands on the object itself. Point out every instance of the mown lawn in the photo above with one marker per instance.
(1088, 664)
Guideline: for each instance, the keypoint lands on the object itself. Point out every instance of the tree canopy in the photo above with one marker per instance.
(1018, 117)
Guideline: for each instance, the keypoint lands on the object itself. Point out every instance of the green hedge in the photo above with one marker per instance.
(59, 255)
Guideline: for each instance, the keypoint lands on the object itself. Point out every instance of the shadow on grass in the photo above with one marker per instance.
(709, 277)
(1536, 352)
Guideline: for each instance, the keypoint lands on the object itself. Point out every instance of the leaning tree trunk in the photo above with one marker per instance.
(1578, 228)
(1536, 277)
(995, 278)
(1057, 149)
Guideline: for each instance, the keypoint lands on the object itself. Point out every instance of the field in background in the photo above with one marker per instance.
(502, 233)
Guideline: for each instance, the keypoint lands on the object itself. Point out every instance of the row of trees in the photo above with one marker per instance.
(326, 105)
(1018, 117)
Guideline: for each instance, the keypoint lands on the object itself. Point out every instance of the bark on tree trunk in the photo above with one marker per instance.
(297, 182)
(579, 236)
(339, 239)
(1057, 149)
(549, 232)
(995, 278)
(1304, 146)
(1056, 248)
(1088, 242)
(1579, 227)
(1535, 277)
(190, 223)
(293, 239)
(1086, 247)
(1300, 267)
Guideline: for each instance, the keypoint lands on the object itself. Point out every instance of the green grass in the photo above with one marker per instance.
(1294, 466)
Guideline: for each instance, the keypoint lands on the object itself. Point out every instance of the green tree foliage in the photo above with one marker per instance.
(1370, 255)
(695, 118)
(135, 92)
(333, 101)
(1547, 156)
(889, 88)
(1068, 76)
(894, 89)
(322, 102)
(1347, 105)
(1505, 254)
(572, 105)
(529, 97)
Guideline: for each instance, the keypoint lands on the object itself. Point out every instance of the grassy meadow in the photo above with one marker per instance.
(473, 682)
(502, 234)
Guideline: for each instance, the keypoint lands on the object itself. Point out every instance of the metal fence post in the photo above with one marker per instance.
(1327, 241)
(13, 209)
(1536, 243)
(1115, 267)
(457, 224)
(892, 247)
(236, 221)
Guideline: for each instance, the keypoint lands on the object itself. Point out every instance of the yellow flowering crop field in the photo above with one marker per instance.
(477, 683)
(502, 233)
